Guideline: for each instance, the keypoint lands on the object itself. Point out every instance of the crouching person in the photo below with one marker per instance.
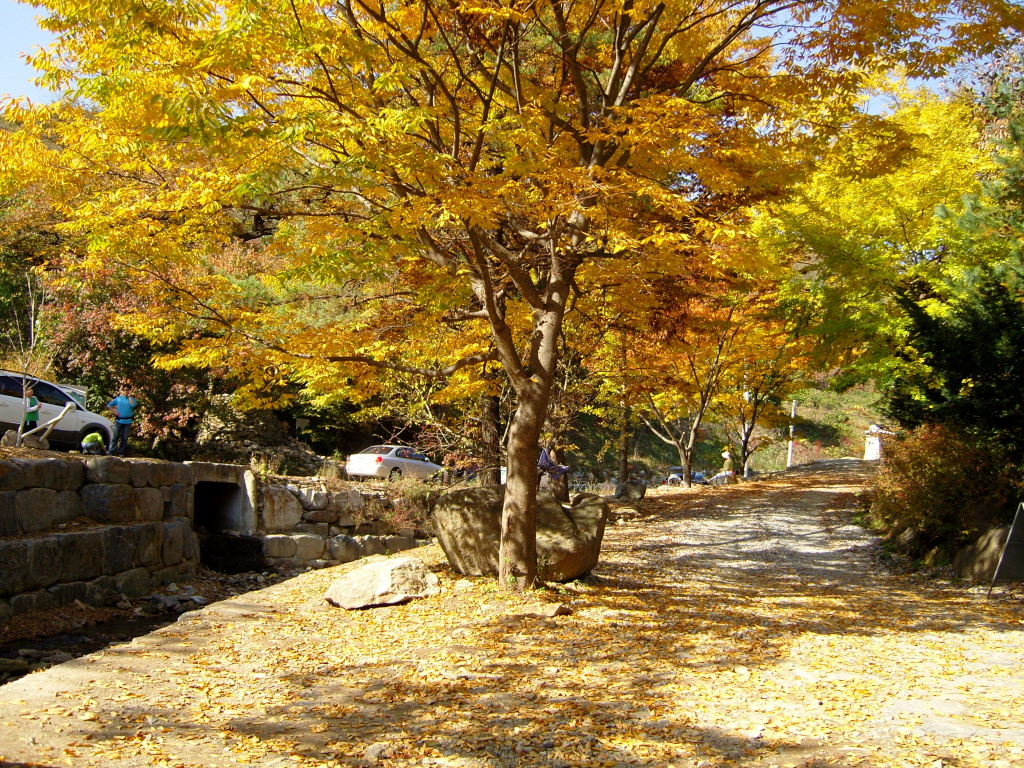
(93, 444)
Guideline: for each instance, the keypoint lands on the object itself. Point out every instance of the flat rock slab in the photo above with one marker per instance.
(388, 581)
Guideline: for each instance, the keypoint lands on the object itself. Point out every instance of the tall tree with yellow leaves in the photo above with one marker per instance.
(685, 362)
(775, 356)
(427, 184)
(863, 228)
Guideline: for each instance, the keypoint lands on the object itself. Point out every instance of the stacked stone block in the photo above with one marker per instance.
(143, 538)
(143, 534)
(310, 526)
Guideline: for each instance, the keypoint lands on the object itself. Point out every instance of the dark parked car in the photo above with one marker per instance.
(675, 477)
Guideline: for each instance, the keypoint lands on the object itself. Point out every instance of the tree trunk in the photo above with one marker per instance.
(532, 381)
(745, 452)
(686, 452)
(517, 555)
(624, 445)
(685, 457)
(490, 440)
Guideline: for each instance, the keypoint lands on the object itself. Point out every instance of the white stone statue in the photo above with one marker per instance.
(873, 442)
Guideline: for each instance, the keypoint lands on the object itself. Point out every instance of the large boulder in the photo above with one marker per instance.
(14, 556)
(110, 503)
(44, 473)
(320, 516)
(309, 547)
(81, 555)
(9, 525)
(12, 477)
(38, 510)
(33, 441)
(384, 582)
(371, 545)
(310, 498)
(978, 561)
(279, 545)
(108, 469)
(468, 525)
(630, 491)
(151, 504)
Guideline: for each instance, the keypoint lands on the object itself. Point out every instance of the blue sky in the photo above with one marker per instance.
(19, 34)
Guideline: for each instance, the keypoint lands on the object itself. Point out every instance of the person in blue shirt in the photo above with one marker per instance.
(123, 407)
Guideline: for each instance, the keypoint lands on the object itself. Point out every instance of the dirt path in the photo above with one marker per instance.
(747, 625)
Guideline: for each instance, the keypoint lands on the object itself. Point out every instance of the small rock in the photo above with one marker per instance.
(14, 666)
(549, 610)
(172, 588)
(167, 602)
(200, 600)
(377, 752)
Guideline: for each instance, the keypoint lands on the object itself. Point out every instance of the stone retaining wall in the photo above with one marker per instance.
(84, 529)
(309, 525)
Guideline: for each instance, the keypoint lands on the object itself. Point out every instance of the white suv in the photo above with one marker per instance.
(69, 431)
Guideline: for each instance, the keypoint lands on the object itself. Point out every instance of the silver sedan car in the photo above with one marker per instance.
(391, 462)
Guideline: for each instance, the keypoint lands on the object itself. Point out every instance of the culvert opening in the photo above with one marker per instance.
(218, 523)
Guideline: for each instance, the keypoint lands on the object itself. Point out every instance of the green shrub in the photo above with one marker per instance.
(411, 500)
(945, 486)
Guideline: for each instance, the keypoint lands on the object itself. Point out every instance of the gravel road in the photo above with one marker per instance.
(857, 664)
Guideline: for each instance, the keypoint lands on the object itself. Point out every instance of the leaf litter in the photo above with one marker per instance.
(749, 625)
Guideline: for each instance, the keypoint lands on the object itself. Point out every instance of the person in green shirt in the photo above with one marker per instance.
(31, 411)
(93, 444)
